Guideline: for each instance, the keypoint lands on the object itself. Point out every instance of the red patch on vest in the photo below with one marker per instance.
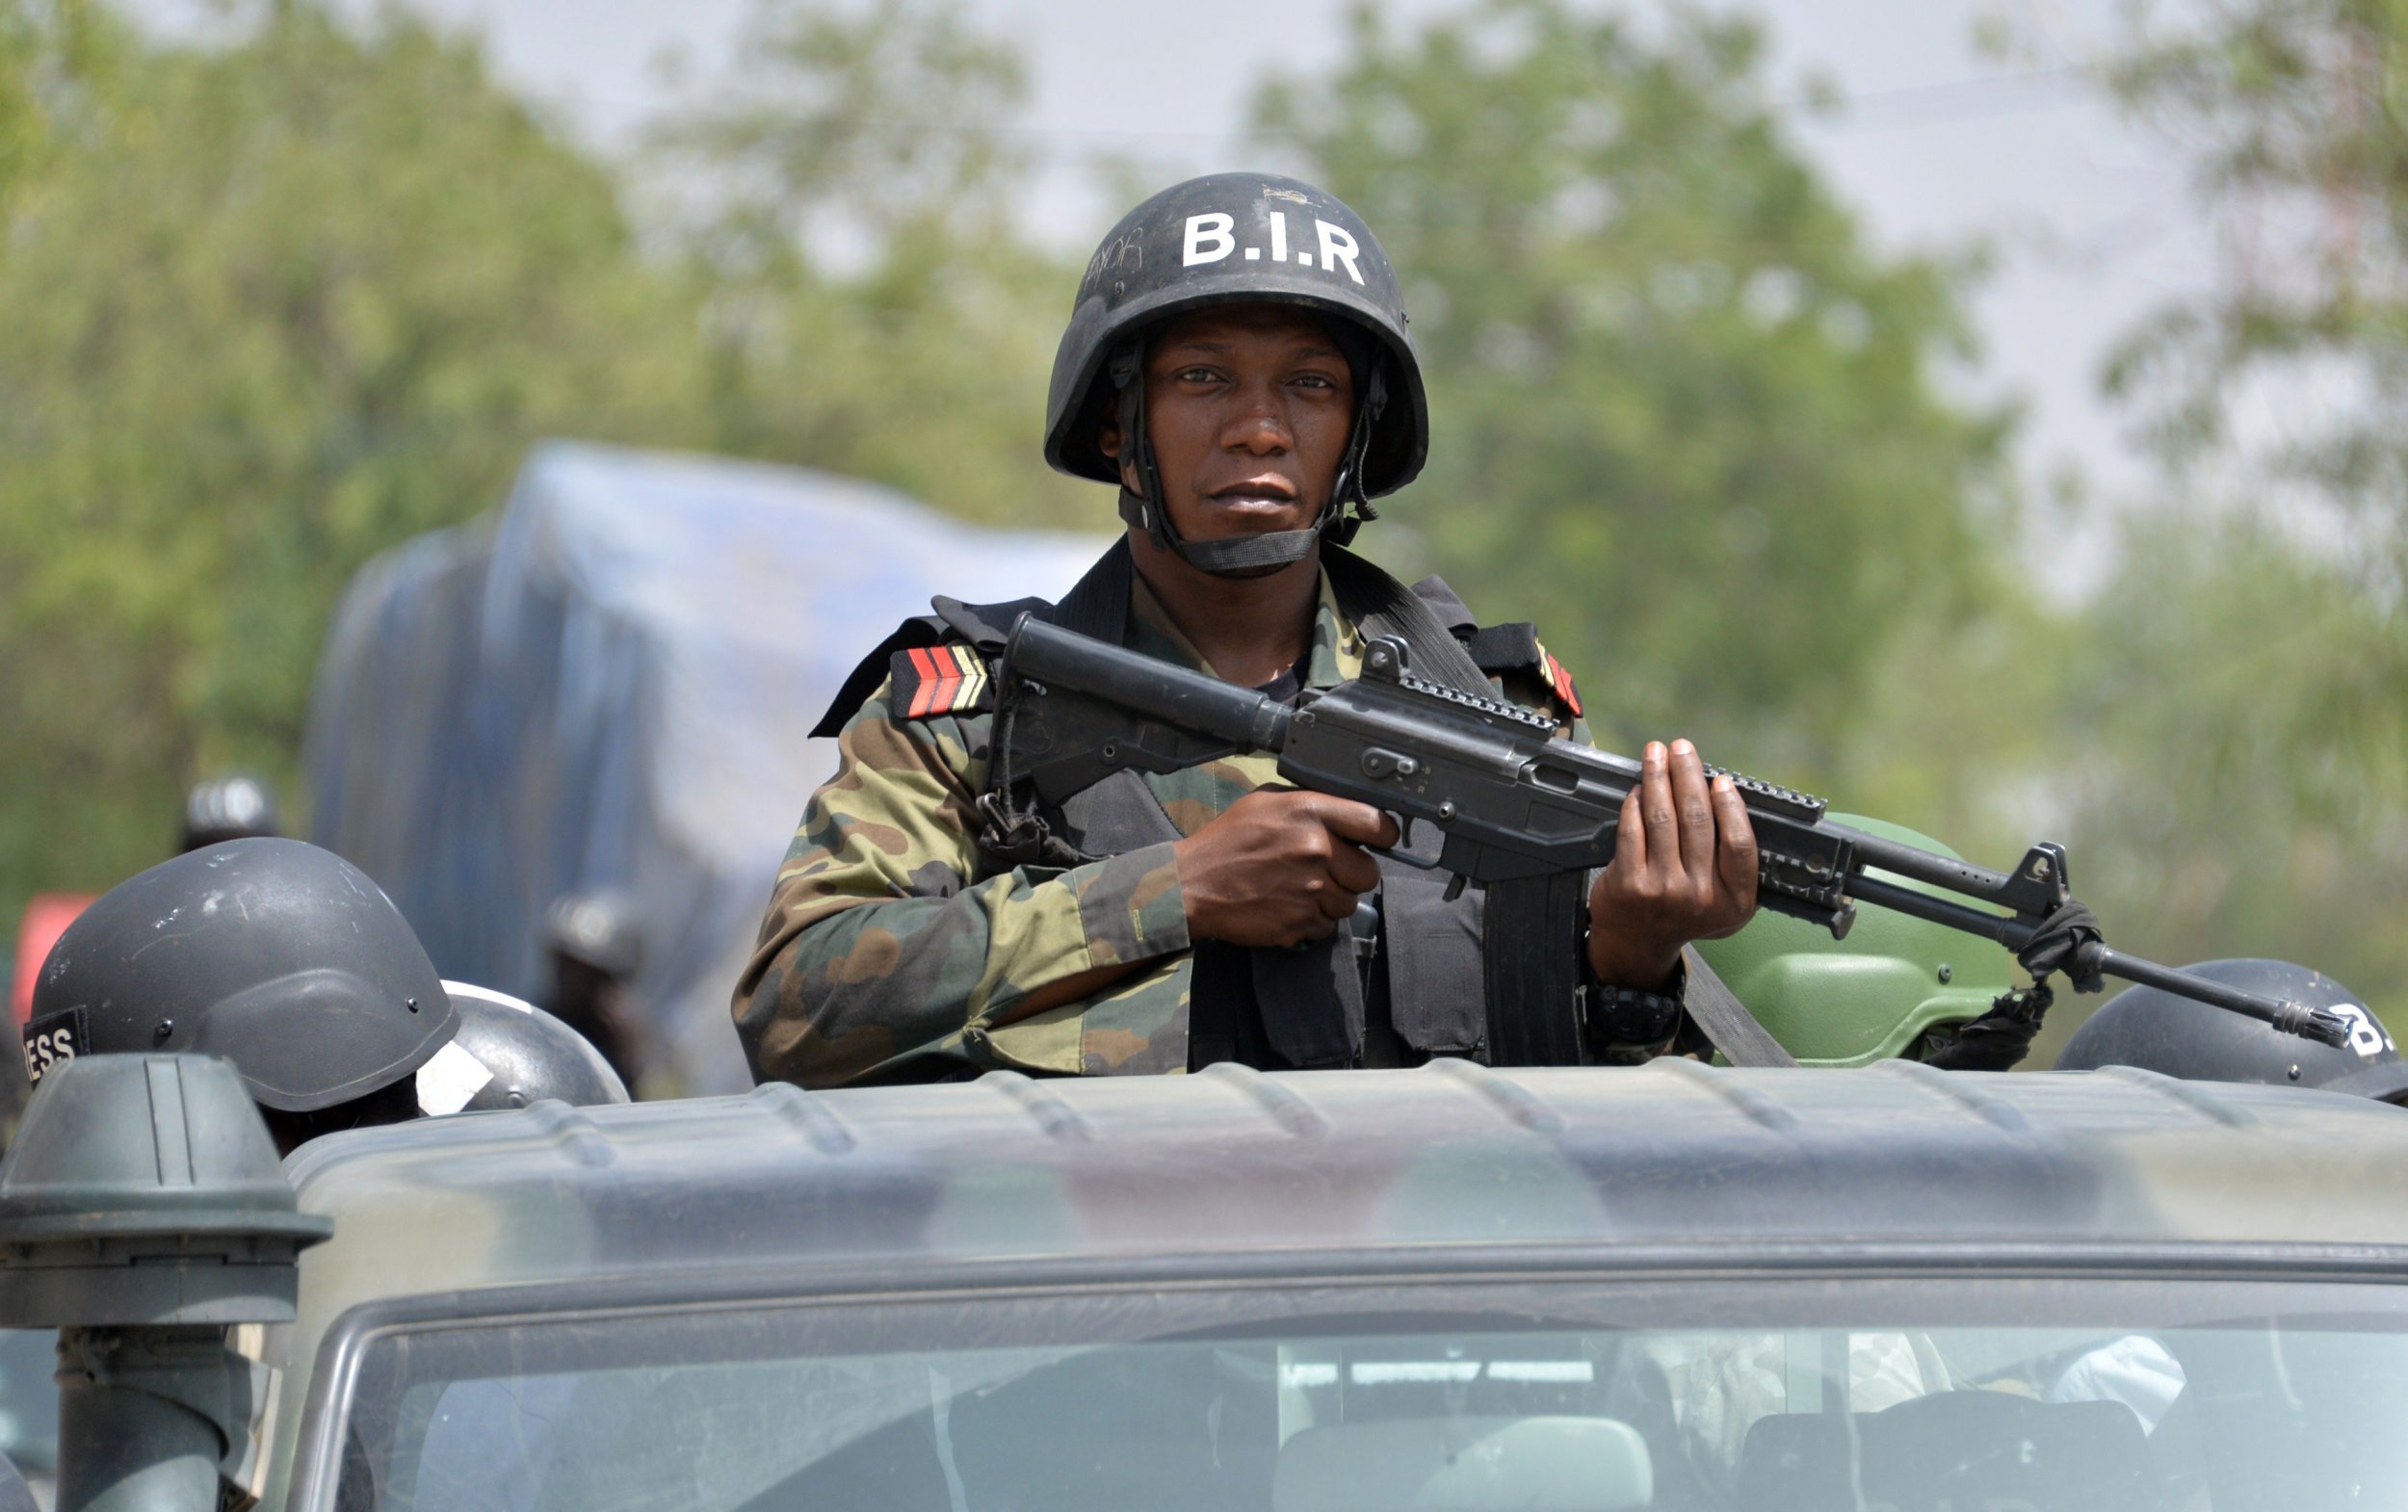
(1558, 681)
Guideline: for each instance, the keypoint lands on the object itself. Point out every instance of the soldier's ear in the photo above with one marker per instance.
(1108, 436)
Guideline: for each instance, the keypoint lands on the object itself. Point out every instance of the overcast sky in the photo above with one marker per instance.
(1938, 144)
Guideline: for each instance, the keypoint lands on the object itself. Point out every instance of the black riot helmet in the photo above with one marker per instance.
(2174, 1036)
(1237, 239)
(278, 956)
(509, 1053)
(227, 808)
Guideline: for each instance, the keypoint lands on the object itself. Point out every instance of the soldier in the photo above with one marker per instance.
(1237, 364)
(595, 945)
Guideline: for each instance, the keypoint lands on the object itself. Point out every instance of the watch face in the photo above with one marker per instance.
(1627, 1016)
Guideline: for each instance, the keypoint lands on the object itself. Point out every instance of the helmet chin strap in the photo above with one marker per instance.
(1239, 556)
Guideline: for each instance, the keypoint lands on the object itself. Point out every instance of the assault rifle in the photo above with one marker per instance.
(1510, 800)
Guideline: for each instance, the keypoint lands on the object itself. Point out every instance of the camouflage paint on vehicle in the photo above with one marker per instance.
(1670, 1168)
(893, 951)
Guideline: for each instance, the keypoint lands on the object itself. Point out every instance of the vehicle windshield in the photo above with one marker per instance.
(1869, 1396)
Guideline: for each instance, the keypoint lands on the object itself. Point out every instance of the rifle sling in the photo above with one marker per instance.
(1529, 926)
(1097, 605)
(1717, 1012)
(1380, 605)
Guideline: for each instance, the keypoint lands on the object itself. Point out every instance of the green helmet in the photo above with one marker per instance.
(1870, 996)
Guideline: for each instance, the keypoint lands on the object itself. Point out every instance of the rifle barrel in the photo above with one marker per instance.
(2289, 1017)
(2013, 932)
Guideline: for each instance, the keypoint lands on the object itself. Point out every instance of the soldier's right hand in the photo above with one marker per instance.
(1279, 867)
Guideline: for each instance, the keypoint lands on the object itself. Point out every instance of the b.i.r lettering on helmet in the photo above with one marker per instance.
(1210, 238)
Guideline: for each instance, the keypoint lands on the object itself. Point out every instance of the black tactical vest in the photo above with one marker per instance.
(1423, 983)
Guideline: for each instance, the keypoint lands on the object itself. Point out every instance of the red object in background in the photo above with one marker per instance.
(46, 917)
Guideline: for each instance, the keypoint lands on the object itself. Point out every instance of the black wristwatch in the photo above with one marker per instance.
(1629, 1016)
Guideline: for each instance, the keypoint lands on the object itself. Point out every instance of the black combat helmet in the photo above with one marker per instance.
(514, 1053)
(2174, 1036)
(1237, 239)
(227, 808)
(278, 956)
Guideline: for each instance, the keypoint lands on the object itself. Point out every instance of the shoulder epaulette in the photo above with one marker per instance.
(1500, 649)
(1558, 680)
(949, 678)
(917, 654)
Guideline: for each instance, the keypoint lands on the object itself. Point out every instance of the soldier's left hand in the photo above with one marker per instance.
(1683, 868)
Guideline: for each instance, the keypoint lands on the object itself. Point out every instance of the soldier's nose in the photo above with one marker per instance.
(1264, 434)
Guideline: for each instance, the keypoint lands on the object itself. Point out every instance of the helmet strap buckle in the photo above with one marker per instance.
(1139, 507)
(1337, 521)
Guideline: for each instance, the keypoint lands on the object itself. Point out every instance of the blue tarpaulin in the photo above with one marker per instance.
(610, 685)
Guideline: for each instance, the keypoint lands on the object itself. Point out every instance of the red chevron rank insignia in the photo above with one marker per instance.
(1558, 681)
(939, 679)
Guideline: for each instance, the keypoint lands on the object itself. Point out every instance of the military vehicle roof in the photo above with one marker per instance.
(1673, 1168)
(1450, 1162)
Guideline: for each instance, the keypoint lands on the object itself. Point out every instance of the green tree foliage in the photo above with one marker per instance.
(2303, 117)
(2230, 704)
(848, 193)
(271, 304)
(2306, 112)
(22, 44)
(2278, 398)
(1685, 418)
(29, 49)
(266, 308)
(2246, 787)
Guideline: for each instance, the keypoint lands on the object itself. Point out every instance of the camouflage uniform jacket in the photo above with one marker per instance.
(893, 949)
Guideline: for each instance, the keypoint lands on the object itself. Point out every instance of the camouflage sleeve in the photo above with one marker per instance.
(886, 955)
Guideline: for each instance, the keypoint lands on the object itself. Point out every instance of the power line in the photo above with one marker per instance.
(1940, 102)
(1977, 98)
(2055, 73)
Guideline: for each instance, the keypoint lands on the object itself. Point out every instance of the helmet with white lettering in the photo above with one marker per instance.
(282, 959)
(2174, 1036)
(1237, 239)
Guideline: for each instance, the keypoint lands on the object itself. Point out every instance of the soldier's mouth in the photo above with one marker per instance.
(1256, 497)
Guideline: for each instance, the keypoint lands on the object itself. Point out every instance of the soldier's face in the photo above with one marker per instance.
(1248, 407)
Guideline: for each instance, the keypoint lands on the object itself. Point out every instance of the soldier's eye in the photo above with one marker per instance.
(1194, 375)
